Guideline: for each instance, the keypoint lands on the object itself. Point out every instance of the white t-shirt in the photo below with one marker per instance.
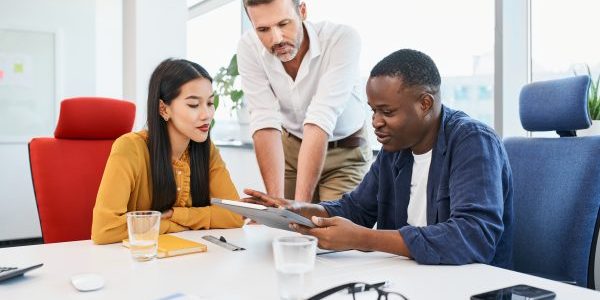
(326, 91)
(417, 206)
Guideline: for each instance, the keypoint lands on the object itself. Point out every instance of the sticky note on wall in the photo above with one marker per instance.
(18, 68)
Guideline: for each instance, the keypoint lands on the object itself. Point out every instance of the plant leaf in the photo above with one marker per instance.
(236, 95)
(220, 74)
(216, 101)
(596, 109)
(233, 67)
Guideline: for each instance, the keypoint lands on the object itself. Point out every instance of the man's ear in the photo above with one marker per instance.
(427, 101)
(302, 11)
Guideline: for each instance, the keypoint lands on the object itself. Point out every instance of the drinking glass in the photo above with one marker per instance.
(294, 259)
(143, 227)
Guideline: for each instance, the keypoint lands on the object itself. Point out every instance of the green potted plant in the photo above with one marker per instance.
(593, 105)
(226, 89)
(594, 97)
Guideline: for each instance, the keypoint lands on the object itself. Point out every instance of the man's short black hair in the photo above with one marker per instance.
(413, 67)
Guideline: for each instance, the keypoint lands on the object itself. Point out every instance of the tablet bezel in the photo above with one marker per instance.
(271, 216)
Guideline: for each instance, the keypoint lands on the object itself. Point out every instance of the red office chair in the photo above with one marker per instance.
(66, 170)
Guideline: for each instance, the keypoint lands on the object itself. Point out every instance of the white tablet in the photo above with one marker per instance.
(270, 216)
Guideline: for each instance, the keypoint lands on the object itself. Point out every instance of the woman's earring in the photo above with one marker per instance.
(166, 118)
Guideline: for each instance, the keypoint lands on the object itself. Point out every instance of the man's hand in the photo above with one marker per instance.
(266, 200)
(335, 233)
(305, 209)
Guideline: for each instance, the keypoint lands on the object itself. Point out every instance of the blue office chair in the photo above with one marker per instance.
(556, 184)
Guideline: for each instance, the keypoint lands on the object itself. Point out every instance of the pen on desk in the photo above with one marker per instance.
(326, 252)
(330, 251)
(221, 241)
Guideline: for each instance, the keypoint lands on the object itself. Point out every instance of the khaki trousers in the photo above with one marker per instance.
(344, 169)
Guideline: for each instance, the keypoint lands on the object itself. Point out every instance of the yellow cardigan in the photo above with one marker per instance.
(126, 186)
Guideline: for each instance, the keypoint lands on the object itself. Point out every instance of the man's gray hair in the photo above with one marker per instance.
(259, 2)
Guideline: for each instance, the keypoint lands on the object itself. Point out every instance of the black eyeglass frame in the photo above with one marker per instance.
(357, 287)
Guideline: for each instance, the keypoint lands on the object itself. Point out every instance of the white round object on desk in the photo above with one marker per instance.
(87, 282)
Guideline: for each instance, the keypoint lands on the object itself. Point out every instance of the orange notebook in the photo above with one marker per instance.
(170, 245)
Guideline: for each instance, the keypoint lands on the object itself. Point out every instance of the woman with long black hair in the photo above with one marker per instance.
(172, 167)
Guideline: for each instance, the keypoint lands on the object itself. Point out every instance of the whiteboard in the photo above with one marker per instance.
(27, 84)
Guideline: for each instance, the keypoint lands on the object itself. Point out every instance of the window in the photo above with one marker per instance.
(458, 35)
(461, 43)
(191, 3)
(212, 40)
(564, 38)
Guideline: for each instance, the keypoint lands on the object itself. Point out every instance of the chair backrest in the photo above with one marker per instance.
(556, 183)
(66, 170)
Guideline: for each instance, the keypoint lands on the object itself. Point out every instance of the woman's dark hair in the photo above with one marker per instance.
(165, 85)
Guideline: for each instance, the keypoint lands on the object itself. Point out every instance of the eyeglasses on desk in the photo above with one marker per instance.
(362, 291)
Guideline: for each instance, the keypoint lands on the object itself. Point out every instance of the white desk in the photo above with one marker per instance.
(250, 274)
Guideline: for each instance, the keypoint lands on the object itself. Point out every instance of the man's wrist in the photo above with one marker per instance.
(308, 210)
(365, 239)
(319, 211)
(303, 197)
(275, 192)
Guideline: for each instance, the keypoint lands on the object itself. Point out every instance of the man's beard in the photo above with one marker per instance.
(286, 56)
(295, 48)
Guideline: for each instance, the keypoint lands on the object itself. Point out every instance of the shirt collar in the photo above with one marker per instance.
(314, 47)
(441, 142)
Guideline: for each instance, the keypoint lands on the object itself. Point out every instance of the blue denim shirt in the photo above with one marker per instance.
(469, 197)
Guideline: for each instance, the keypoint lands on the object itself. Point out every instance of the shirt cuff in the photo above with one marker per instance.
(333, 208)
(164, 226)
(258, 126)
(323, 123)
(180, 215)
(417, 246)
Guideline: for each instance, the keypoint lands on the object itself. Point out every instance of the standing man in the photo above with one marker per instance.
(300, 82)
(440, 190)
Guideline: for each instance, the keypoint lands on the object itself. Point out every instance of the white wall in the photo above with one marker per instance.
(91, 49)
(154, 30)
(109, 48)
(243, 168)
(73, 22)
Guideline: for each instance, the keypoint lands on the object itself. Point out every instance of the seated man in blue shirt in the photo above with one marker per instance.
(440, 190)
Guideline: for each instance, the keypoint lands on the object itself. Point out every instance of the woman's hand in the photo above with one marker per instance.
(167, 214)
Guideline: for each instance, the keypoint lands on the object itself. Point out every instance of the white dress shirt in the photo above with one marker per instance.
(417, 206)
(326, 89)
